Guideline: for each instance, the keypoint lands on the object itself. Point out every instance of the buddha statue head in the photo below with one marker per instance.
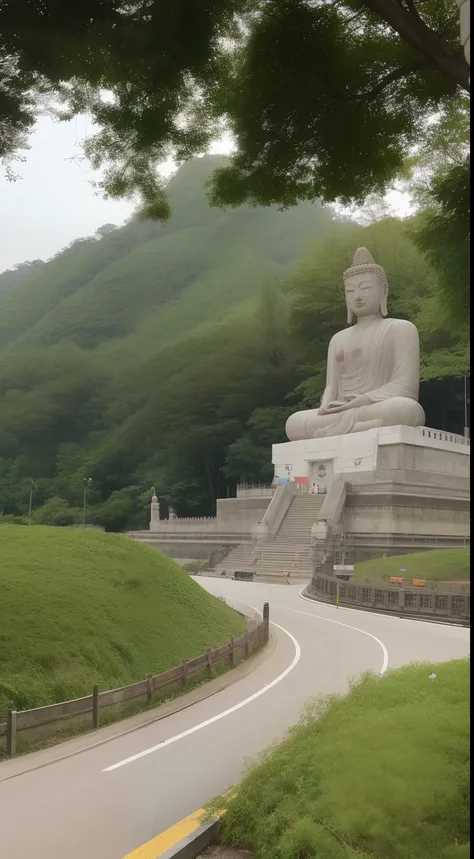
(366, 287)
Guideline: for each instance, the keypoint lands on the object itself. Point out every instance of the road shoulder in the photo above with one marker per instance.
(45, 757)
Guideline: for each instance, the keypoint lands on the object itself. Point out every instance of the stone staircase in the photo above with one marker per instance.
(287, 551)
(240, 558)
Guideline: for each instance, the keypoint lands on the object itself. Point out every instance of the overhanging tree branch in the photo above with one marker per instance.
(395, 75)
(423, 39)
(409, 4)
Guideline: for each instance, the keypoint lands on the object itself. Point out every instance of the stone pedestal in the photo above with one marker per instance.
(403, 489)
(398, 453)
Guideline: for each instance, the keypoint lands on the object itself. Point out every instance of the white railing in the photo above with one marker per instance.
(190, 523)
(441, 435)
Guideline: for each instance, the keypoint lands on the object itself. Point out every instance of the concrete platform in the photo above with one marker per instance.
(417, 454)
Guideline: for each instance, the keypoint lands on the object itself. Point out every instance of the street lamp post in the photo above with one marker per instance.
(33, 486)
(87, 484)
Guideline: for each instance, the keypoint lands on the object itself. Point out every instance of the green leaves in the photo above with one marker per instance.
(324, 100)
(443, 234)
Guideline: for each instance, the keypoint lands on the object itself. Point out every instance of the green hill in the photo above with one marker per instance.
(438, 565)
(83, 607)
(382, 772)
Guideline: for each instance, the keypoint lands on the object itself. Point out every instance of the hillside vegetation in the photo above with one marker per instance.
(171, 355)
(107, 286)
(81, 607)
(382, 772)
(439, 565)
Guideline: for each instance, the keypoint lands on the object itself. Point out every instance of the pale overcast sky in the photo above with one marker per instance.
(54, 202)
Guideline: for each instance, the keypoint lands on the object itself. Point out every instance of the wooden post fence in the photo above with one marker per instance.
(209, 662)
(266, 622)
(28, 721)
(149, 688)
(95, 707)
(11, 732)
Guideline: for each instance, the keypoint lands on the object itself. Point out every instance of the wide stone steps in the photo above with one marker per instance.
(283, 547)
(287, 552)
(240, 558)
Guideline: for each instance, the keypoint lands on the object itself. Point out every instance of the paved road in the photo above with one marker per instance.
(107, 800)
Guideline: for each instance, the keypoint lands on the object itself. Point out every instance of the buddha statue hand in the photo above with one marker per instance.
(352, 402)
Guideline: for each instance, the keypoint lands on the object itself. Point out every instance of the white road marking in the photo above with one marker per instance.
(219, 716)
(348, 626)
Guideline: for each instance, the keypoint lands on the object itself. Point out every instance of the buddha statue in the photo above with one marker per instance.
(373, 367)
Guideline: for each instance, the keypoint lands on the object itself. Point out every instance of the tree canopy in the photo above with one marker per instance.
(443, 234)
(324, 97)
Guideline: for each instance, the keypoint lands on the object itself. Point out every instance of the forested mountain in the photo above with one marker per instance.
(13, 277)
(98, 290)
(170, 355)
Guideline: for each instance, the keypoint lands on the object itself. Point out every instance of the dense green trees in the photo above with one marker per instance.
(443, 234)
(123, 364)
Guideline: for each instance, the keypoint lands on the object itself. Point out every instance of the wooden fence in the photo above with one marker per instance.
(42, 722)
(454, 607)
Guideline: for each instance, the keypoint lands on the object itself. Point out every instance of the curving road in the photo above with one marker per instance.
(104, 800)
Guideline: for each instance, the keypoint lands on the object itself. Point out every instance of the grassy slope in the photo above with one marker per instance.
(442, 565)
(382, 774)
(80, 607)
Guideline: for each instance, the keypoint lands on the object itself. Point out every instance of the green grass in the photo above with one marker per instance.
(382, 773)
(439, 565)
(84, 607)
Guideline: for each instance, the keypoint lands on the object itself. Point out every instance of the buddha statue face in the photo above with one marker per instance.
(363, 294)
(366, 287)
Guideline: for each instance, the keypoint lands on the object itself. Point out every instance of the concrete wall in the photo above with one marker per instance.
(261, 491)
(427, 461)
(359, 456)
(239, 515)
(194, 550)
(404, 600)
(436, 517)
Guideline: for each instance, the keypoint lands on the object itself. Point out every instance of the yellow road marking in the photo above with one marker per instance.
(172, 836)
(158, 845)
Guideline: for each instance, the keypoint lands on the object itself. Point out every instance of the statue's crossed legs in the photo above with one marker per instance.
(392, 412)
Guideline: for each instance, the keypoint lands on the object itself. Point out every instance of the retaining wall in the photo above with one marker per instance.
(452, 606)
